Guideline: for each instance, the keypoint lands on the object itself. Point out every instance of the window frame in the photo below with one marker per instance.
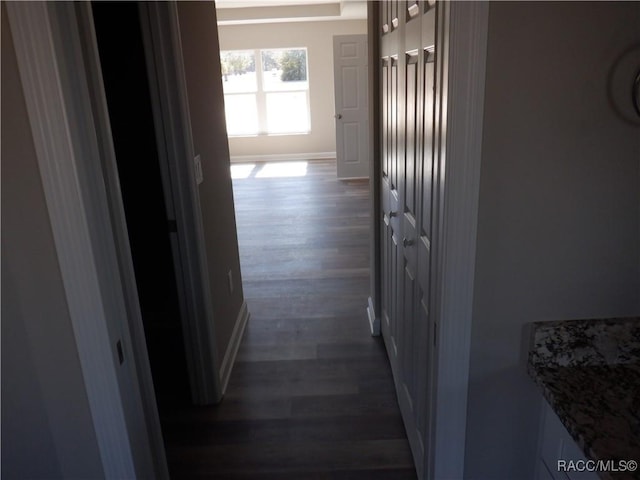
(261, 94)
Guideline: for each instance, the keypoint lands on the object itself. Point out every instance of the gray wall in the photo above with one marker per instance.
(558, 227)
(206, 104)
(47, 430)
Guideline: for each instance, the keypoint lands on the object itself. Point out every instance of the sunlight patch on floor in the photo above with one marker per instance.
(242, 170)
(283, 169)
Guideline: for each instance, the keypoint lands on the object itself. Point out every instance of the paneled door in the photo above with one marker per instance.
(352, 105)
(391, 235)
(407, 163)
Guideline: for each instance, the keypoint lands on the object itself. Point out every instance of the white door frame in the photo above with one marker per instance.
(47, 42)
(69, 157)
(161, 32)
(120, 231)
(462, 28)
(460, 76)
(375, 191)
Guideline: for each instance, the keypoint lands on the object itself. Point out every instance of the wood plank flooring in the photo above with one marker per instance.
(311, 395)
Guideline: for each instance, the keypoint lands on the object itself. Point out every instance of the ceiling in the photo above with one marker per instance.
(242, 12)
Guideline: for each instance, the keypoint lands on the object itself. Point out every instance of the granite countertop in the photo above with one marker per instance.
(589, 372)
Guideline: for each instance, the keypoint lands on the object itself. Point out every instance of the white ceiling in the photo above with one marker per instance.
(241, 12)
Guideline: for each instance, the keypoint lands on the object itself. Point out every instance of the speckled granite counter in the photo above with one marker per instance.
(589, 372)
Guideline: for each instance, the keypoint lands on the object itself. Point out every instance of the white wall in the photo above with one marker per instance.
(558, 227)
(318, 38)
(47, 430)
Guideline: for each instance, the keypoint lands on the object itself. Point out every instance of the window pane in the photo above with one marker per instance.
(284, 69)
(287, 112)
(242, 114)
(238, 71)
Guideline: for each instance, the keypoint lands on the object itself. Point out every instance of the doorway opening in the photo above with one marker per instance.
(288, 139)
(139, 169)
(307, 364)
(308, 375)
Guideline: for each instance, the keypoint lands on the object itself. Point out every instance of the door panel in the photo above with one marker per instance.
(386, 278)
(411, 371)
(407, 187)
(390, 292)
(352, 105)
(411, 134)
(424, 252)
(350, 148)
(384, 112)
(396, 326)
(393, 124)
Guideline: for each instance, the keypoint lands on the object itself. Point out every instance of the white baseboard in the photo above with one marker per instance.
(374, 322)
(234, 344)
(353, 178)
(283, 157)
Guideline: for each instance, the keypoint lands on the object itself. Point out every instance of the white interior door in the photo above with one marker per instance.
(352, 107)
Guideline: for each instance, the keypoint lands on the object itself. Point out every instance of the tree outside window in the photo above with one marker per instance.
(294, 66)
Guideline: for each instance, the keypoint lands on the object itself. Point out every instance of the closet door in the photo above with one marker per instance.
(407, 182)
(412, 368)
(390, 222)
(391, 151)
(425, 235)
(424, 327)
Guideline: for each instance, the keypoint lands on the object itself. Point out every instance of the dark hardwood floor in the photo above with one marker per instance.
(311, 395)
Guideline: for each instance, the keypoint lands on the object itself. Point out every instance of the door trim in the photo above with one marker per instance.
(102, 123)
(375, 195)
(460, 77)
(461, 49)
(161, 31)
(72, 187)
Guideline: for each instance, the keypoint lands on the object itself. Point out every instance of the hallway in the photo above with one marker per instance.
(311, 395)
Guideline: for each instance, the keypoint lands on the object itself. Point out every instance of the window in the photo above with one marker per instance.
(267, 96)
